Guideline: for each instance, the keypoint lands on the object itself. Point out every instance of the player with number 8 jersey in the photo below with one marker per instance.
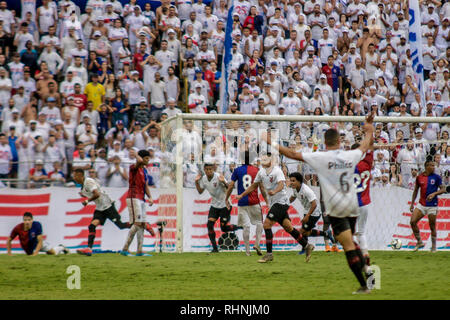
(249, 209)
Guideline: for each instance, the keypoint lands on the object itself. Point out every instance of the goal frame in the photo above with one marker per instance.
(179, 118)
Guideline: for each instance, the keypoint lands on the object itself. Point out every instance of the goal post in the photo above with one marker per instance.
(190, 140)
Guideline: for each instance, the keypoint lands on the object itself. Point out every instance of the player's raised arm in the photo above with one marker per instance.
(197, 184)
(368, 129)
(283, 150)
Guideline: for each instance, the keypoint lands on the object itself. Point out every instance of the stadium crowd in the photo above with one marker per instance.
(88, 89)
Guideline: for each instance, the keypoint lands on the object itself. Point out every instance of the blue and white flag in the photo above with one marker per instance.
(415, 44)
(224, 98)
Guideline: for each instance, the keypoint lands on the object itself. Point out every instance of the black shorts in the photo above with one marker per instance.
(326, 219)
(342, 224)
(110, 213)
(222, 213)
(311, 223)
(278, 212)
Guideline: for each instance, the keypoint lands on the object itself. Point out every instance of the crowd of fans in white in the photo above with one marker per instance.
(88, 89)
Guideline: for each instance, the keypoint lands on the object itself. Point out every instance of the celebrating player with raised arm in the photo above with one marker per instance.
(430, 185)
(335, 169)
(31, 238)
(216, 186)
(274, 183)
(104, 207)
(249, 209)
(137, 190)
(309, 202)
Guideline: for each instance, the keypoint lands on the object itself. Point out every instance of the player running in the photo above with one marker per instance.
(430, 185)
(273, 180)
(31, 238)
(216, 186)
(138, 188)
(249, 209)
(309, 202)
(335, 169)
(104, 207)
(362, 184)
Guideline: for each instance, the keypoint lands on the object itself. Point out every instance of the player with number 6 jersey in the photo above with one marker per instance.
(335, 169)
(362, 184)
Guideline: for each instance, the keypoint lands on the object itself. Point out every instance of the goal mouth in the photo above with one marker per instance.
(189, 141)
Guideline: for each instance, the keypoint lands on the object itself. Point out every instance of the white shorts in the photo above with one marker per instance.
(362, 219)
(427, 210)
(249, 215)
(136, 210)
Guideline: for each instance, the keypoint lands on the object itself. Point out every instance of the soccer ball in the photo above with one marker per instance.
(396, 244)
(228, 241)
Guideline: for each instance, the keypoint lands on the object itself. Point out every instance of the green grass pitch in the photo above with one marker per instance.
(223, 276)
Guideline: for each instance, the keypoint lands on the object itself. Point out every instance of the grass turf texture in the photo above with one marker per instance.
(223, 276)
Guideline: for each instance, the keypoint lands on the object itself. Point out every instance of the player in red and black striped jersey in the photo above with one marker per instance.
(137, 190)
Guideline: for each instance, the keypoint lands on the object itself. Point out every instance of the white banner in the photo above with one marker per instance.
(65, 220)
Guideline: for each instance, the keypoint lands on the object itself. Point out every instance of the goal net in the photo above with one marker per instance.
(402, 144)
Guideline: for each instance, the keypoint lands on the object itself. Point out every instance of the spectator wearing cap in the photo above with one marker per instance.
(135, 22)
(174, 45)
(430, 53)
(93, 115)
(431, 85)
(326, 91)
(442, 35)
(117, 133)
(142, 113)
(441, 107)
(51, 111)
(429, 14)
(95, 92)
(37, 175)
(197, 102)
(134, 90)
(100, 45)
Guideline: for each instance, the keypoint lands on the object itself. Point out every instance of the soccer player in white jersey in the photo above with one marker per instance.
(105, 208)
(335, 169)
(310, 204)
(273, 180)
(216, 186)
